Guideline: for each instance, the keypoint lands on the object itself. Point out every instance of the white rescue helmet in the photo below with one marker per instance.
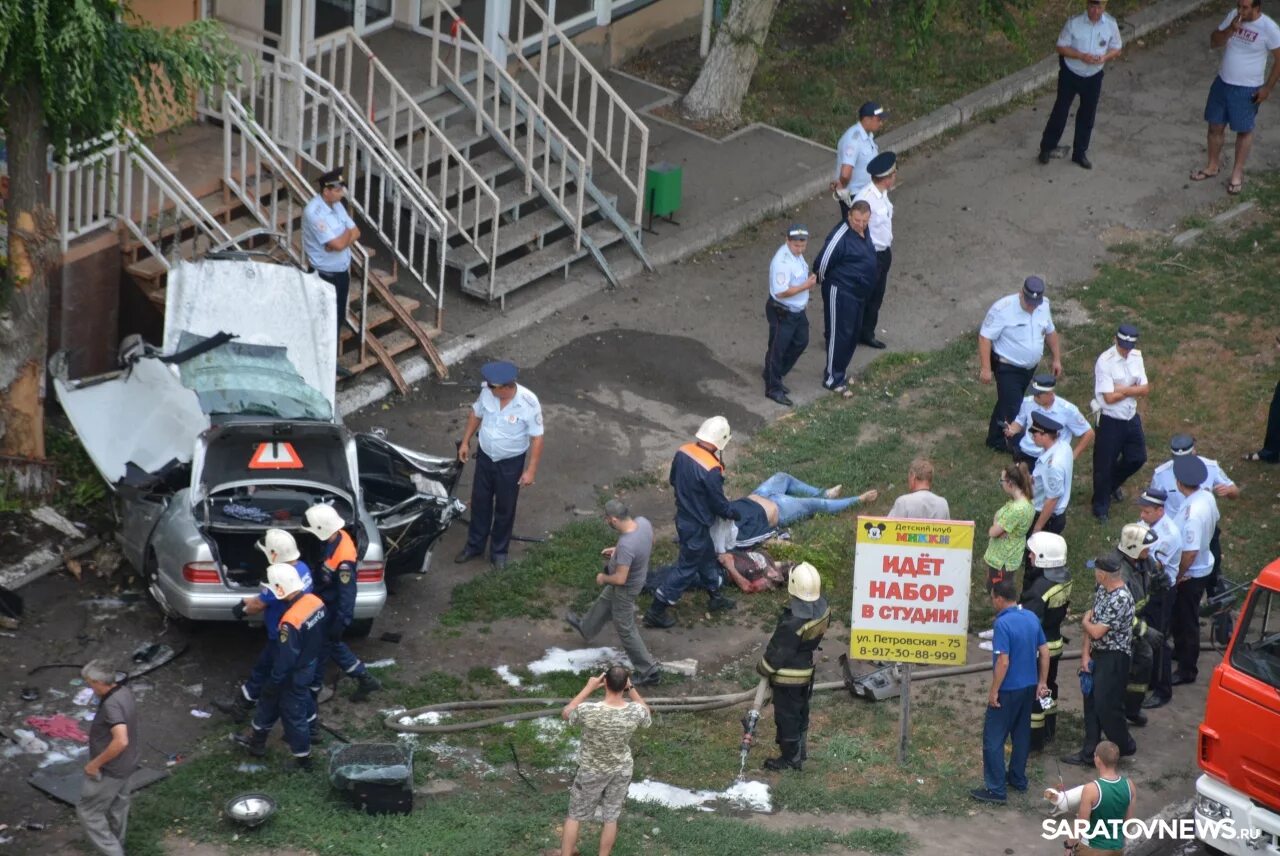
(322, 521)
(805, 583)
(1134, 538)
(278, 546)
(1048, 550)
(284, 579)
(716, 432)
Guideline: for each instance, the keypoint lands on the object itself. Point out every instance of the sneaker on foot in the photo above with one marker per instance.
(985, 645)
(987, 634)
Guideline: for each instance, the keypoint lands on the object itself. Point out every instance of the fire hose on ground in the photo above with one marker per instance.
(415, 721)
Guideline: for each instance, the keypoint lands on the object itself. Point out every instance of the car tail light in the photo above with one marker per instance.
(369, 572)
(204, 573)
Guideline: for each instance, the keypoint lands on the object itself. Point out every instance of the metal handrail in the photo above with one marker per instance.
(488, 107)
(426, 145)
(110, 196)
(616, 110)
(276, 214)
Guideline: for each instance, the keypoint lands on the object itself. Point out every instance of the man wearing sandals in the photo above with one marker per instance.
(1238, 90)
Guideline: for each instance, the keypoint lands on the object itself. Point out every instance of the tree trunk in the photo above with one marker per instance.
(24, 312)
(722, 84)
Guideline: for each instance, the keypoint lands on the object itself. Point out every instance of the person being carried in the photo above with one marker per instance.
(604, 758)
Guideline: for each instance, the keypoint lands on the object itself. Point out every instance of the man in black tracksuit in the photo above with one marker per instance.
(1047, 595)
(847, 271)
(788, 664)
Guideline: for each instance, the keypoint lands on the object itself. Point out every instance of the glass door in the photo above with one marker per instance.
(365, 16)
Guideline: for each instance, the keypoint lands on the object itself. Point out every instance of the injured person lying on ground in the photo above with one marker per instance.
(778, 502)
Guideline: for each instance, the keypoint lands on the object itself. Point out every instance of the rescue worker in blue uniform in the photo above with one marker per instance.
(1218, 483)
(697, 477)
(1010, 345)
(1046, 593)
(279, 548)
(336, 585)
(789, 284)
(508, 419)
(788, 664)
(295, 657)
(846, 268)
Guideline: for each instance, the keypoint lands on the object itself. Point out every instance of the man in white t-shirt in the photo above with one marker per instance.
(1248, 36)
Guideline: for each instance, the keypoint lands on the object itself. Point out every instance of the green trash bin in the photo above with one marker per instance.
(663, 189)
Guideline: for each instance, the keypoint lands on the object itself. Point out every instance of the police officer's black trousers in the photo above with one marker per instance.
(1044, 723)
(788, 337)
(843, 324)
(1119, 451)
(1070, 85)
(1159, 614)
(341, 282)
(1186, 626)
(1270, 451)
(871, 316)
(1011, 385)
(495, 487)
(791, 713)
(1140, 665)
(1104, 707)
(1215, 576)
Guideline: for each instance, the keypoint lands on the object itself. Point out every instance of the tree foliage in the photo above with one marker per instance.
(97, 66)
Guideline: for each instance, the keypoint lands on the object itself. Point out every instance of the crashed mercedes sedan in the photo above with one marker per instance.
(230, 428)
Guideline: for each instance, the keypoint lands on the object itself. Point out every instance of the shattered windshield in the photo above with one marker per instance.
(238, 378)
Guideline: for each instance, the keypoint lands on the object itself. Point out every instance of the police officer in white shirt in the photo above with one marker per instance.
(883, 169)
(1197, 521)
(327, 235)
(1051, 481)
(1043, 399)
(1167, 551)
(1119, 380)
(1085, 45)
(508, 418)
(854, 151)
(1010, 345)
(1248, 36)
(789, 284)
(1218, 482)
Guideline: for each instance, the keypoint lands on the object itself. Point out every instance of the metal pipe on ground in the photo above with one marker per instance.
(404, 721)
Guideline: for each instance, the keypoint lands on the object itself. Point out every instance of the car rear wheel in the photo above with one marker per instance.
(359, 628)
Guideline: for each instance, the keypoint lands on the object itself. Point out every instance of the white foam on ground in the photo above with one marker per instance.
(431, 717)
(579, 660)
(509, 678)
(550, 729)
(753, 796)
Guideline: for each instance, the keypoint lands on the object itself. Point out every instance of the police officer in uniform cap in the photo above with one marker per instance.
(1010, 344)
(789, 285)
(508, 418)
(884, 172)
(327, 235)
(295, 657)
(1044, 399)
(1217, 482)
(1145, 578)
(1051, 479)
(1046, 593)
(854, 151)
(336, 585)
(1166, 551)
(697, 479)
(1198, 519)
(788, 664)
(1119, 380)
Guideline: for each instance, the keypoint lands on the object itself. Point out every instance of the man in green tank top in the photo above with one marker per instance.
(1105, 804)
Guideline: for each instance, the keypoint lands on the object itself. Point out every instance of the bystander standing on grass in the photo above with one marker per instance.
(1008, 531)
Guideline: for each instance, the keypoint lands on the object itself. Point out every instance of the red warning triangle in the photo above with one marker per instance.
(275, 456)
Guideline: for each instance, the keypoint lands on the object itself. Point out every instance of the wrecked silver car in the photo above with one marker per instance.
(230, 428)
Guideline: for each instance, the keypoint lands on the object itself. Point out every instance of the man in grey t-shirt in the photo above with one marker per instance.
(113, 756)
(623, 578)
(920, 502)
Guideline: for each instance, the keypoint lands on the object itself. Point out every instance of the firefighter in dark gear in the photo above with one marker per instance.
(1144, 577)
(697, 477)
(295, 657)
(336, 584)
(1047, 594)
(788, 664)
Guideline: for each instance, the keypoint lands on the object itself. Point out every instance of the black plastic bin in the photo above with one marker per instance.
(377, 778)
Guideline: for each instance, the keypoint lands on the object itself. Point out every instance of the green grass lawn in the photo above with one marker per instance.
(1209, 322)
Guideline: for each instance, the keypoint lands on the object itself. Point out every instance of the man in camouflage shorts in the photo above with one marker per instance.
(604, 759)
